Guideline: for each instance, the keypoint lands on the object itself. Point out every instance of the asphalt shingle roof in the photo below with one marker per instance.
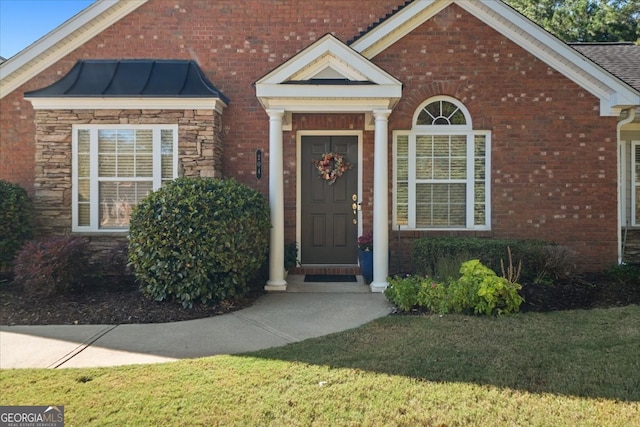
(620, 59)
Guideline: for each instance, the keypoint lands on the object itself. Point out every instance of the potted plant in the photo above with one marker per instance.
(365, 256)
(290, 256)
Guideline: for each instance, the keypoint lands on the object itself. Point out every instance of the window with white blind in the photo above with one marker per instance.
(441, 170)
(116, 166)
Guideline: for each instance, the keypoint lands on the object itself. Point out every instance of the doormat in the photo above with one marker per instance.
(330, 278)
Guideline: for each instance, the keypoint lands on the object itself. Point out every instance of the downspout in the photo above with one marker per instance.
(621, 214)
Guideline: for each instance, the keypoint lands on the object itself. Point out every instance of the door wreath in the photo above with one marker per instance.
(331, 166)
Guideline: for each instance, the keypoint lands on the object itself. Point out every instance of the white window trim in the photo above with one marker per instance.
(439, 128)
(94, 179)
(634, 184)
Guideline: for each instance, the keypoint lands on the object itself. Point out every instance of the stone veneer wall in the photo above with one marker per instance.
(199, 153)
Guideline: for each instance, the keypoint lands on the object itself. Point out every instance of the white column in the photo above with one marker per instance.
(381, 202)
(276, 280)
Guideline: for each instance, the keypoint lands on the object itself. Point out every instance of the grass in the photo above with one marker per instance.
(562, 369)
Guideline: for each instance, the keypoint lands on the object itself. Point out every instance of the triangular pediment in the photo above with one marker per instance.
(614, 94)
(327, 69)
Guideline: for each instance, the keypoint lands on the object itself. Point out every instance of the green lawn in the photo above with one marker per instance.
(578, 368)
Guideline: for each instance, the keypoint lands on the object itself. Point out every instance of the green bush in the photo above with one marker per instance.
(58, 265)
(429, 252)
(15, 220)
(481, 290)
(412, 291)
(478, 290)
(199, 240)
(434, 296)
(403, 291)
(625, 274)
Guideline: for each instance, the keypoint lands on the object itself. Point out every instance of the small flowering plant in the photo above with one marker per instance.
(365, 242)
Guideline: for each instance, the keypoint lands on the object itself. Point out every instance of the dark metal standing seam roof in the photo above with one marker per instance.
(128, 78)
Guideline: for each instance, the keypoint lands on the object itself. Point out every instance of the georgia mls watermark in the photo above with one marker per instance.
(31, 416)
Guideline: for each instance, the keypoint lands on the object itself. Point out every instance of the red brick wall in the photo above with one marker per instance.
(17, 141)
(554, 168)
(553, 157)
(235, 43)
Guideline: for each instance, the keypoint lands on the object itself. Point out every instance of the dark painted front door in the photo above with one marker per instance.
(329, 227)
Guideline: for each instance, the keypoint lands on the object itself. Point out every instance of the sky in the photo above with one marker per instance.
(22, 22)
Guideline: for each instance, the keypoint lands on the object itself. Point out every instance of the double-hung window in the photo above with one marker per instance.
(441, 170)
(115, 167)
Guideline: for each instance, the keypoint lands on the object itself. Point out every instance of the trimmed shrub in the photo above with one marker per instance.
(428, 252)
(199, 240)
(57, 265)
(15, 220)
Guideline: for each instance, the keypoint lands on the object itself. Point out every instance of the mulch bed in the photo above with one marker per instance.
(122, 303)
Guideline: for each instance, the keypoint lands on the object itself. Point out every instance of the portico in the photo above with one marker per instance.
(328, 77)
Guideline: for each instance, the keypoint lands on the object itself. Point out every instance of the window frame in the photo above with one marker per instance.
(470, 180)
(95, 179)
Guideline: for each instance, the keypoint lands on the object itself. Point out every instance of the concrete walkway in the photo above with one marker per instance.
(304, 311)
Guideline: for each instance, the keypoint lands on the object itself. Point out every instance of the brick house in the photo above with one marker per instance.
(457, 118)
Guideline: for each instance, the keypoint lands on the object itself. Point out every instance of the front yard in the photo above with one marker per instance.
(563, 368)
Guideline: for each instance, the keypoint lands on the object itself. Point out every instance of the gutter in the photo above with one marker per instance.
(621, 195)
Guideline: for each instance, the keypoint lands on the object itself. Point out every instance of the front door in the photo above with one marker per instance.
(329, 223)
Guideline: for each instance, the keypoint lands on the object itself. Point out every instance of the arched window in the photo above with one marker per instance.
(442, 169)
(442, 111)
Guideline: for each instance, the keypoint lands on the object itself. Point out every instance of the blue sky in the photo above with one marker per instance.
(22, 22)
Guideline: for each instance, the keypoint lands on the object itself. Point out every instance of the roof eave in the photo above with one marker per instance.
(614, 94)
(128, 103)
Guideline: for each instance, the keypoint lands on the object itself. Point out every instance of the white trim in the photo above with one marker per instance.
(94, 206)
(96, 103)
(384, 92)
(328, 50)
(307, 105)
(635, 184)
(614, 94)
(63, 40)
(338, 67)
(397, 26)
(337, 132)
(621, 187)
(438, 98)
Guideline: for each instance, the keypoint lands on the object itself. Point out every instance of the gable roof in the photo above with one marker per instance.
(620, 59)
(326, 71)
(127, 78)
(46, 51)
(614, 94)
